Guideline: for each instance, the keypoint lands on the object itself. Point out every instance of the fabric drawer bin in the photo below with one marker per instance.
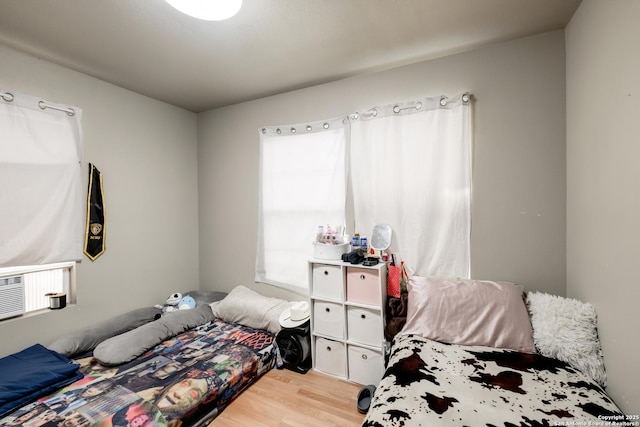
(363, 286)
(363, 326)
(327, 281)
(366, 366)
(328, 319)
(330, 357)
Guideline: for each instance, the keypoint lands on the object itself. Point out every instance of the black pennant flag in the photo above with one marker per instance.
(95, 232)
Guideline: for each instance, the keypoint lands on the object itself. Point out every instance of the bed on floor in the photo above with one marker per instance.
(182, 368)
(478, 353)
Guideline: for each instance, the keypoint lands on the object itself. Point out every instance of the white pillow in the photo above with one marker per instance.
(250, 308)
(566, 329)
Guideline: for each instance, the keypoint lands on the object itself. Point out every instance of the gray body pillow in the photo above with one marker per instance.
(87, 339)
(129, 345)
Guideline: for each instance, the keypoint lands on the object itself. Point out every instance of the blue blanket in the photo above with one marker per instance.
(32, 373)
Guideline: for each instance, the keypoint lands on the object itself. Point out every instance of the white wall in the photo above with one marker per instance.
(518, 230)
(603, 178)
(147, 152)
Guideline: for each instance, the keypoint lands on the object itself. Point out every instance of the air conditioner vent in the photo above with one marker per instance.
(11, 296)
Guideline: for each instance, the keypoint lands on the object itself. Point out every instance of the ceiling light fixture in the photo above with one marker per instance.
(209, 10)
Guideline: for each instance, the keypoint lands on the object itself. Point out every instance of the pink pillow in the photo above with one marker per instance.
(469, 312)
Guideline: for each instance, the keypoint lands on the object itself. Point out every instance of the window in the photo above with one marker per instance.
(40, 181)
(41, 197)
(409, 166)
(303, 185)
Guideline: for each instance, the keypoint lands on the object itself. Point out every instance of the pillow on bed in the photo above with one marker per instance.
(566, 329)
(249, 308)
(126, 347)
(469, 312)
(87, 339)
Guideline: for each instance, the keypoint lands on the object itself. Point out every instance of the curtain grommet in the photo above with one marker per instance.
(8, 96)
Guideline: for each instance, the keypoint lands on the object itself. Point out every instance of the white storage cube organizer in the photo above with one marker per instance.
(366, 366)
(331, 357)
(364, 326)
(347, 319)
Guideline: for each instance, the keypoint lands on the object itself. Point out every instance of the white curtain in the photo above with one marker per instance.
(411, 168)
(41, 219)
(303, 179)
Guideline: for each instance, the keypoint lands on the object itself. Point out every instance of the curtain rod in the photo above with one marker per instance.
(417, 105)
(8, 97)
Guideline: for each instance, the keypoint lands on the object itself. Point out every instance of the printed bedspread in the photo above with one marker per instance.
(186, 380)
(428, 383)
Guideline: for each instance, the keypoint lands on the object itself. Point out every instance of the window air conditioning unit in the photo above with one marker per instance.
(11, 296)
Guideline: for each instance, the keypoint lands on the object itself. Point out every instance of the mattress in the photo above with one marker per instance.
(429, 383)
(185, 380)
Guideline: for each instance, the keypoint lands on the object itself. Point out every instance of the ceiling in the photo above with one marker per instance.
(269, 47)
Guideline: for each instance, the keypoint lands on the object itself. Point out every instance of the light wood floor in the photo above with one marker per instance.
(285, 398)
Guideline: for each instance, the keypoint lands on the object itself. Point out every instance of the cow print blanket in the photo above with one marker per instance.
(428, 383)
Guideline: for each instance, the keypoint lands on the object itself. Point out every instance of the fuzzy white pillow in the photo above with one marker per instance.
(566, 329)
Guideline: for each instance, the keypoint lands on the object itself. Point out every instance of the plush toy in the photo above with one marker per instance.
(172, 303)
(186, 303)
(177, 302)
